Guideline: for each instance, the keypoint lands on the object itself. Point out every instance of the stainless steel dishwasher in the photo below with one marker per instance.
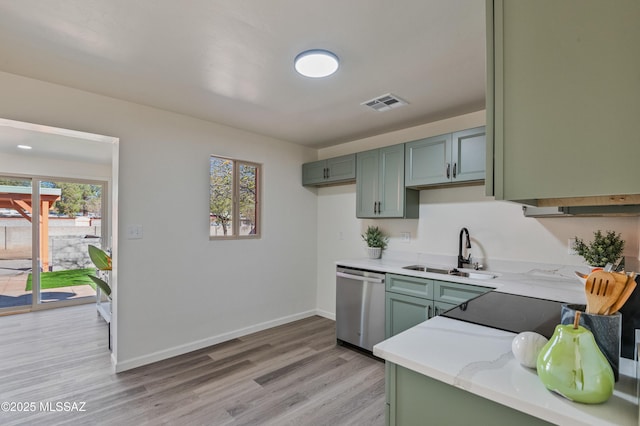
(359, 307)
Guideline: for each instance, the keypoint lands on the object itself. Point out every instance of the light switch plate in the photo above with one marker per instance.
(405, 237)
(134, 232)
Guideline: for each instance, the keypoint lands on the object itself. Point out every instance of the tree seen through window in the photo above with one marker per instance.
(233, 203)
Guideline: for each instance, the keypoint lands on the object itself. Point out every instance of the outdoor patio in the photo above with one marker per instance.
(13, 281)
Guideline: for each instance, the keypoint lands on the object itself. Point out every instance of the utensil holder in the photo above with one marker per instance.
(606, 329)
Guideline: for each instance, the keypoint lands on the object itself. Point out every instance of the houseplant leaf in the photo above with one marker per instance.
(100, 258)
(102, 284)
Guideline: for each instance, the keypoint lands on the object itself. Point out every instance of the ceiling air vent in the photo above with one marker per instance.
(385, 102)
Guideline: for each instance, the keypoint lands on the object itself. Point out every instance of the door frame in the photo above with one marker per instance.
(112, 148)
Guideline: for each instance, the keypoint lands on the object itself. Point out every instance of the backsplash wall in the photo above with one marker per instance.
(498, 230)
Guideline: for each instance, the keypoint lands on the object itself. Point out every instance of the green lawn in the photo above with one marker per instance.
(59, 279)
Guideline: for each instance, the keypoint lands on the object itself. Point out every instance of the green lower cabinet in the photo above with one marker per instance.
(412, 300)
(403, 312)
(456, 293)
(415, 399)
(411, 286)
(442, 307)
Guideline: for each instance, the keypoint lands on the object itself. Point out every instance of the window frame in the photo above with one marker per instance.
(235, 199)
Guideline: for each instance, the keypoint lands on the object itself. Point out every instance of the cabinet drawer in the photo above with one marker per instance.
(456, 293)
(412, 286)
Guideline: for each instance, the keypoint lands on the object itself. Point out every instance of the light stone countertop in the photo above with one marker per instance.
(479, 360)
(542, 281)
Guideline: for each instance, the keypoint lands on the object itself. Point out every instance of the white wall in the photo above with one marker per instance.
(498, 229)
(176, 289)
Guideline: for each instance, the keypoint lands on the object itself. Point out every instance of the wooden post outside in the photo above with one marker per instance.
(44, 235)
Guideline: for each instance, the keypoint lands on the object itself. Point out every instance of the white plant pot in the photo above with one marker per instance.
(374, 252)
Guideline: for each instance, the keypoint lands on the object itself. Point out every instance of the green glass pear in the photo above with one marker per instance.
(572, 365)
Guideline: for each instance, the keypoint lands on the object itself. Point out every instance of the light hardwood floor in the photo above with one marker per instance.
(289, 375)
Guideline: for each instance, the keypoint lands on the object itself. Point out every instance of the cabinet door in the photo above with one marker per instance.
(563, 98)
(403, 312)
(415, 399)
(468, 155)
(456, 293)
(441, 307)
(428, 161)
(367, 183)
(341, 168)
(314, 173)
(391, 182)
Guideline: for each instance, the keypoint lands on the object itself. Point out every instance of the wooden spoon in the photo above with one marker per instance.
(602, 291)
(620, 277)
(624, 296)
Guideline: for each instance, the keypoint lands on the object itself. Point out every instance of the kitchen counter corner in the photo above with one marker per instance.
(479, 360)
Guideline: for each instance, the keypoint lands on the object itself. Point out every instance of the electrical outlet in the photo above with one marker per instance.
(405, 237)
(572, 247)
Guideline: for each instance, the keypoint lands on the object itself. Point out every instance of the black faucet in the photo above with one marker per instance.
(462, 260)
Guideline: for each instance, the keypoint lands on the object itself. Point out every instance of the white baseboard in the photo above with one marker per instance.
(326, 314)
(125, 365)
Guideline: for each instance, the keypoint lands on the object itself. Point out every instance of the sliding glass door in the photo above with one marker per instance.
(48, 227)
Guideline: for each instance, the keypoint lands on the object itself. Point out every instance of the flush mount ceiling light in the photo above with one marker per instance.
(24, 147)
(316, 63)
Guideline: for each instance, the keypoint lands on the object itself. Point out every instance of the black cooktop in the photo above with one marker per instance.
(510, 312)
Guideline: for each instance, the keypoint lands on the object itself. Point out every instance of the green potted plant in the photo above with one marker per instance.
(605, 248)
(376, 241)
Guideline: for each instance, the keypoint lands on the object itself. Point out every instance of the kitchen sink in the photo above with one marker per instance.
(478, 275)
(427, 269)
(454, 271)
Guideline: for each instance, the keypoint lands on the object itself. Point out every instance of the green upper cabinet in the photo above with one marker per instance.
(333, 170)
(469, 155)
(428, 161)
(380, 189)
(563, 90)
(450, 158)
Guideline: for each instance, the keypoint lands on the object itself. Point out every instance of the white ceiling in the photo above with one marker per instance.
(54, 143)
(231, 61)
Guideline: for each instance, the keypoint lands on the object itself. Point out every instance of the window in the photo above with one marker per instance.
(233, 198)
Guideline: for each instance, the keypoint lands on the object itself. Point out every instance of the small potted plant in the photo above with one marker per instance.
(376, 241)
(605, 248)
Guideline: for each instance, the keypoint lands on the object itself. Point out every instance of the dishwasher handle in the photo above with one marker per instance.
(360, 278)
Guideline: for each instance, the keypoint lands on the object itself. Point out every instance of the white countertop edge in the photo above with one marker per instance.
(532, 283)
(407, 350)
